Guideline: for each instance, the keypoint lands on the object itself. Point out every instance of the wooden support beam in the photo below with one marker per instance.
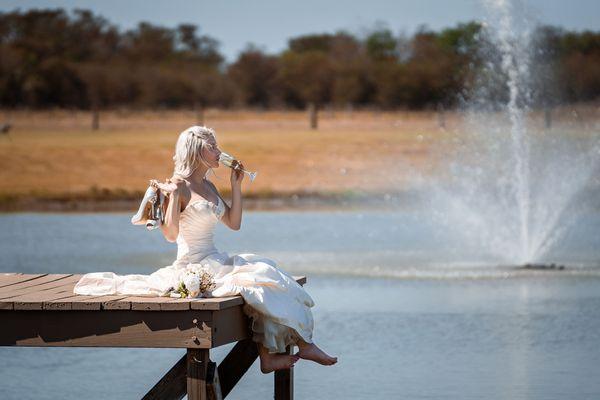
(172, 386)
(284, 381)
(213, 385)
(219, 380)
(234, 366)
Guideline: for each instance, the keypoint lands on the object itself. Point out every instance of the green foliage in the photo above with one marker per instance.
(463, 39)
(381, 45)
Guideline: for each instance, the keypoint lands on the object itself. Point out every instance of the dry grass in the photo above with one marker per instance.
(55, 153)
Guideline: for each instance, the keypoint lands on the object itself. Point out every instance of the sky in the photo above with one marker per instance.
(269, 24)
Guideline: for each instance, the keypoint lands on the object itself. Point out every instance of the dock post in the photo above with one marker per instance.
(284, 381)
(197, 367)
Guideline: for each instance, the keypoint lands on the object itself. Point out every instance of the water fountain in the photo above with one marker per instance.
(512, 188)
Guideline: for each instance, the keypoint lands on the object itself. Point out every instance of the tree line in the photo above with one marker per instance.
(53, 58)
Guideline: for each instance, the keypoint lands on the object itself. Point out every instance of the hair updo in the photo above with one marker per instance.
(187, 150)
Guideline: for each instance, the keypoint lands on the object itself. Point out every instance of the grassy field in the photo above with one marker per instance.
(56, 155)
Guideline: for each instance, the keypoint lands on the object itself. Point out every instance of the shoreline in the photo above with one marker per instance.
(122, 201)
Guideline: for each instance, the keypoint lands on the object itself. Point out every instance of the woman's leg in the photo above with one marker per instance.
(310, 351)
(272, 362)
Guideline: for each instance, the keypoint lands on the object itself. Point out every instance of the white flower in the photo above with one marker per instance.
(192, 284)
(196, 281)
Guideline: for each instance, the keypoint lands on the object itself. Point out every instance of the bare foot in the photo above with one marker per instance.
(310, 351)
(274, 362)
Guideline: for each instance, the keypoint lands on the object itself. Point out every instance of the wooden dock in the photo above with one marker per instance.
(41, 310)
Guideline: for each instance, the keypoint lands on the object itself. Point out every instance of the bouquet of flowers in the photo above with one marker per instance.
(194, 284)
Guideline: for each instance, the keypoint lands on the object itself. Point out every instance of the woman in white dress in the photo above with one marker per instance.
(278, 306)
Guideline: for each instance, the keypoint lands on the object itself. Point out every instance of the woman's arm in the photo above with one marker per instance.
(233, 215)
(170, 227)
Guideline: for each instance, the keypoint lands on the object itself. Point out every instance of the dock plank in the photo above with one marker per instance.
(116, 304)
(52, 285)
(41, 283)
(216, 303)
(35, 300)
(7, 280)
(9, 277)
(92, 302)
(157, 303)
(121, 302)
(79, 302)
(55, 292)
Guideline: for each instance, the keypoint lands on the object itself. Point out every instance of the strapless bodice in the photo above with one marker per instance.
(196, 230)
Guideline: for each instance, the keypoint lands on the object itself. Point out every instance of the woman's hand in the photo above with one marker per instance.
(237, 175)
(167, 188)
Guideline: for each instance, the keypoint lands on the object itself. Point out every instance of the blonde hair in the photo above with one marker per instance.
(187, 150)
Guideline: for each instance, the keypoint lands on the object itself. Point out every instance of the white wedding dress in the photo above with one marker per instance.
(278, 305)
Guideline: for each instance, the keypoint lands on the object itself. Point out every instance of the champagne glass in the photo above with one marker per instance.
(232, 163)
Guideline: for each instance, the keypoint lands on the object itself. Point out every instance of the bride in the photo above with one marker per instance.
(278, 306)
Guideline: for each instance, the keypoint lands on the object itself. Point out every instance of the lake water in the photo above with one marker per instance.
(407, 314)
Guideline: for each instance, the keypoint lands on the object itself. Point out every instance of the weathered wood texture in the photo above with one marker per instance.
(126, 328)
(213, 385)
(7, 279)
(173, 385)
(197, 366)
(55, 292)
(220, 380)
(41, 310)
(236, 363)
